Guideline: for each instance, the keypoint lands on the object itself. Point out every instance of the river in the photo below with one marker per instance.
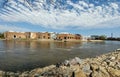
(27, 55)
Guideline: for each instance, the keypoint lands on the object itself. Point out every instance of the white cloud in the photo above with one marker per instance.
(12, 28)
(93, 16)
(112, 23)
(114, 6)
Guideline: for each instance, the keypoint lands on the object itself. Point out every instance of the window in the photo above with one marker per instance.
(39, 37)
(14, 36)
(65, 38)
(44, 37)
(48, 34)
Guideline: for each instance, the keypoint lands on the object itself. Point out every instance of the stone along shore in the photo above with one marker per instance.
(107, 65)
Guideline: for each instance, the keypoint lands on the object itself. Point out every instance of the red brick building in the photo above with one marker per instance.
(42, 36)
(68, 37)
(14, 35)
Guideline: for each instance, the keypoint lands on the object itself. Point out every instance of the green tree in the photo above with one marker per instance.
(102, 37)
(1, 35)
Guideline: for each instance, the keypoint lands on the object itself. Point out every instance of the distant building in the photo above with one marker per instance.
(46, 36)
(78, 37)
(43, 35)
(30, 35)
(53, 35)
(68, 37)
(26, 35)
(14, 35)
(85, 38)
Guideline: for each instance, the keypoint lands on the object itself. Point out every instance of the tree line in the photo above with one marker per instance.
(103, 37)
(1, 36)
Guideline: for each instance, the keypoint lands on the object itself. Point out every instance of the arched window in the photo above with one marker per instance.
(14, 37)
(65, 38)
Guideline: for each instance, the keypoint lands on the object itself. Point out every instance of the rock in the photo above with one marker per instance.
(118, 56)
(117, 66)
(86, 69)
(74, 61)
(104, 71)
(99, 73)
(78, 60)
(94, 67)
(17, 74)
(78, 73)
(104, 64)
(2, 73)
(58, 65)
(112, 58)
(25, 74)
(37, 75)
(94, 74)
(112, 64)
(66, 62)
(114, 72)
(107, 61)
(12, 74)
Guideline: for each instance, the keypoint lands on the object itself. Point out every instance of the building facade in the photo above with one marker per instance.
(42, 36)
(14, 35)
(68, 37)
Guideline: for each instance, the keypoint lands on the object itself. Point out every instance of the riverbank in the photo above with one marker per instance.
(106, 65)
(96, 40)
(2, 39)
(44, 40)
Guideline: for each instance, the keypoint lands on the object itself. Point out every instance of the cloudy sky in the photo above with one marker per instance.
(75, 16)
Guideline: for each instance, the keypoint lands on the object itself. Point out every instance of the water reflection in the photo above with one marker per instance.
(39, 45)
(25, 55)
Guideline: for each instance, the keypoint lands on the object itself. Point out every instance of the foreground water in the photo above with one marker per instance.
(26, 55)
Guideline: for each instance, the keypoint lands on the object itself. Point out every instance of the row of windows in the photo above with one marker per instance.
(67, 37)
(44, 37)
(70, 37)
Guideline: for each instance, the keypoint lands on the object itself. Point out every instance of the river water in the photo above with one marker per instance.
(27, 55)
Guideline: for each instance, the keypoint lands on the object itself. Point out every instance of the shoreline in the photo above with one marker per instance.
(96, 40)
(46, 40)
(54, 40)
(106, 65)
(2, 39)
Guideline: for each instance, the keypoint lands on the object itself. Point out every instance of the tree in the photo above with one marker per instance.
(1, 35)
(102, 37)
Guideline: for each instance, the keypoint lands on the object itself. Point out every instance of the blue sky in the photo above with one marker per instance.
(75, 17)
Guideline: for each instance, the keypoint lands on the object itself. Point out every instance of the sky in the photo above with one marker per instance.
(73, 16)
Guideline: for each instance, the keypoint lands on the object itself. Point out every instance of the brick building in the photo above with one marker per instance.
(45, 35)
(42, 36)
(78, 37)
(68, 37)
(31, 35)
(14, 35)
